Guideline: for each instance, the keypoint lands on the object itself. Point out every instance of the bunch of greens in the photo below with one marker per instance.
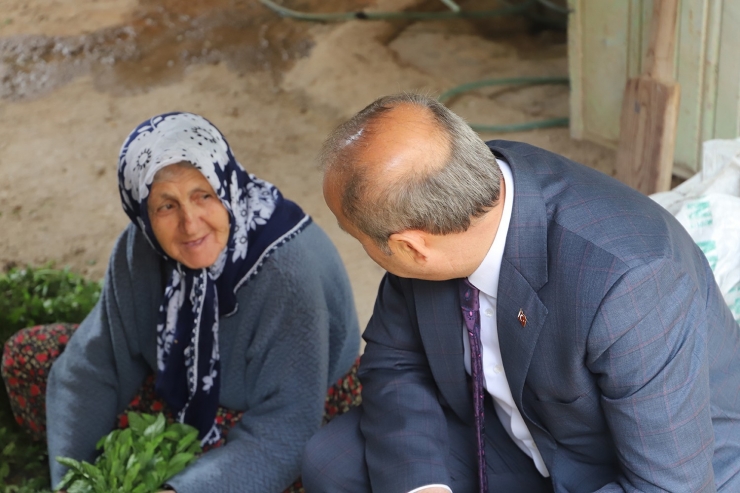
(32, 296)
(138, 459)
(23, 468)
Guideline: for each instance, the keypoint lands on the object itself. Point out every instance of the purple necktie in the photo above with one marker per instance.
(471, 313)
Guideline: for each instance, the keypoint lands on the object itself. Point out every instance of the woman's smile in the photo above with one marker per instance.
(195, 243)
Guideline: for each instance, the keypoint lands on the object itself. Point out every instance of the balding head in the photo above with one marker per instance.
(404, 141)
(408, 163)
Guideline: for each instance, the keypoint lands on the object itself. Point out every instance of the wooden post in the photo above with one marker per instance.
(650, 110)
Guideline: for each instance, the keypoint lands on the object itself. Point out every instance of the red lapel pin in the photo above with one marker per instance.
(522, 318)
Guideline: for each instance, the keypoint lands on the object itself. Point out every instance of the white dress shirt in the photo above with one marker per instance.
(485, 278)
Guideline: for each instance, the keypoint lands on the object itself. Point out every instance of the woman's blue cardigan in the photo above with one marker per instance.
(294, 334)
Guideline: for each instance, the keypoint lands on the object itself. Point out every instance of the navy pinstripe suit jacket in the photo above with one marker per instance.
(627, 372)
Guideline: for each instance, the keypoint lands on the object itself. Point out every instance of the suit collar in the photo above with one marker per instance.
(526, 242)
(486, 276)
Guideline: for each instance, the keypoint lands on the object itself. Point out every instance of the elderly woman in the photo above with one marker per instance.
(224, 290)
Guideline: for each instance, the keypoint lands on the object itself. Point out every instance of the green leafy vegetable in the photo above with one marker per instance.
(32, 296)
(23, 467)
(139, 459)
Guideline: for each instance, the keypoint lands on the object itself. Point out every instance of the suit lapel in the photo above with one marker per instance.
(517, 341)
(523, 270)
(440, 325)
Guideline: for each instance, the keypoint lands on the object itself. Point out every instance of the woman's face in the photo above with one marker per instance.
(190, 222)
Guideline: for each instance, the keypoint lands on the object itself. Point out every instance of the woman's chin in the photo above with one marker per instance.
(194, 260)
(199, 255)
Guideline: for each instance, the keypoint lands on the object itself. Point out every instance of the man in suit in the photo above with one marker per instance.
(541, 326)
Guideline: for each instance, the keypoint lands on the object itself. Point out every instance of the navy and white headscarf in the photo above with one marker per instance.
(188, 368)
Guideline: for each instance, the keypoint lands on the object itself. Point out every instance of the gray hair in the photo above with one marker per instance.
(438, 201)
(166, 172)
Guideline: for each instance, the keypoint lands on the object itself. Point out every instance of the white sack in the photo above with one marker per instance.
(708, 206)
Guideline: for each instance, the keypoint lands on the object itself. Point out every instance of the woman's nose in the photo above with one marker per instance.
(188, 219)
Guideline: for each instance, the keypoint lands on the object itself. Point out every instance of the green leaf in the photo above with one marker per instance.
(8, 449)
(131, 474)
(155, 428)
(178, 463)
(145, 457)
(142, 488)
(187, 440)
(116, 473)
(71, 463)
(136, 422)
(171, 434)
(127, 438)
(80, 486)
(152, 483)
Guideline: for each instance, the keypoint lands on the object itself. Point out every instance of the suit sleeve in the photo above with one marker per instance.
(648, 348)
(403, 422)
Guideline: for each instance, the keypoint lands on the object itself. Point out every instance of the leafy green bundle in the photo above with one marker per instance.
(138, 459)
(32, 296)
(27, 462)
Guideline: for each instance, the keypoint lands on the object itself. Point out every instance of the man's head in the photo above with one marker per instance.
(410, 180)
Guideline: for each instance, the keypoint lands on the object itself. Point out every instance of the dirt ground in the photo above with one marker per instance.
(76, 77)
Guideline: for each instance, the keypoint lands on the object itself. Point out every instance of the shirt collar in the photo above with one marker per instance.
(485, 277)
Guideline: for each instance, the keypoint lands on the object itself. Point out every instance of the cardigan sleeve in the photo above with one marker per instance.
(98, 373)
(287, 362)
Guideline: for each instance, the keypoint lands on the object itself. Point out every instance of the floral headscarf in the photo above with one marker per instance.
(188, 368)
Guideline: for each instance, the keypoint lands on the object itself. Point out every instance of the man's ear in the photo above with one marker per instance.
(410, 243)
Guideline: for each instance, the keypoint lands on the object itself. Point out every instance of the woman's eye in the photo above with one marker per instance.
(165, 207)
